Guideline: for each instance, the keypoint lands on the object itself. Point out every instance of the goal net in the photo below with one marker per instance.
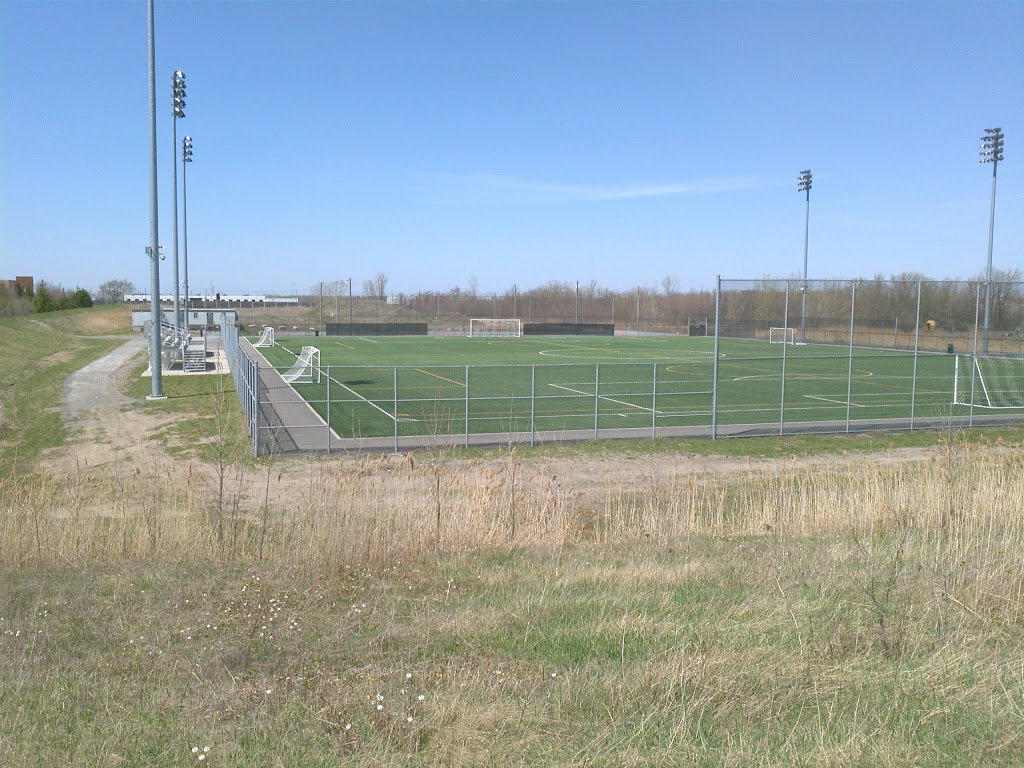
(266, 338)
(989, 381)
(306, 369)
(495, 327)
(782, 335)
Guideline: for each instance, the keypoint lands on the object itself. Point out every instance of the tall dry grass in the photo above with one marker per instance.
(322, 515)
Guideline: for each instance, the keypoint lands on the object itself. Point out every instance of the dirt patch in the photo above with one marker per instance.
(105, 425)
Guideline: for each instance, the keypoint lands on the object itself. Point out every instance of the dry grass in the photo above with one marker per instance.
(335, 515)
(866, 617)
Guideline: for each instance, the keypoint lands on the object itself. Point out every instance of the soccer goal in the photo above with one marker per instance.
(782, 335)
(266, 338)
(306, 369)
(989, 381)
(495, 327)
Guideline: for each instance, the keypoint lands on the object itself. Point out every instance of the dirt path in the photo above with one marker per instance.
(97, 387)
(104, 424)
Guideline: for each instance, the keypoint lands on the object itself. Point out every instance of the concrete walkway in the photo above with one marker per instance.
(287, 422)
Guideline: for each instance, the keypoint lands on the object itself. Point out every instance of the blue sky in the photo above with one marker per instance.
(457, 143)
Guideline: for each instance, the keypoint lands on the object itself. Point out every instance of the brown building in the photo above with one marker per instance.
(18, 287)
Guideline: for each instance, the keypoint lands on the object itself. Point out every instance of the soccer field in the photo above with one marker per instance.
(426, 385)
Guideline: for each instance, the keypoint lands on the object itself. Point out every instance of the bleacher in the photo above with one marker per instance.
(194, 356)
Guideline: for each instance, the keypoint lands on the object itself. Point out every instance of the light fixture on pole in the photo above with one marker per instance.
(186, 157)
(804, 185)
(991, 152)
(177, 110)
(153, 249)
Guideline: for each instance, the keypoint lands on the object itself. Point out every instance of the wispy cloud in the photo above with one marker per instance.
(545, 191)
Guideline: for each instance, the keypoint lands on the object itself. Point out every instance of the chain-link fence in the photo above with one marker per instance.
(635, 311)
(779, 358)
(938, 316)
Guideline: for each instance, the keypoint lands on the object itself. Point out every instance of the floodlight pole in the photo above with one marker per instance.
(577, 304)
(350, 305)
(177, 110)
(156, 392)
(991, 152)
(804, 185)
(186, 157)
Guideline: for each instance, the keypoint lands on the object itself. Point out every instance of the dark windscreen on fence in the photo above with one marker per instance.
(376, 329)
(568, 329)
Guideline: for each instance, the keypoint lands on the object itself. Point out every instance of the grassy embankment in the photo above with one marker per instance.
(451, 609)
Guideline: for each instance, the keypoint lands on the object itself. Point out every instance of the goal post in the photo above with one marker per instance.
(989, 381)
(782, 335)
(487, 326)
(266, 338)
(306, 369)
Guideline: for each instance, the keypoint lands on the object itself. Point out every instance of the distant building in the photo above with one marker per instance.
(18, 287)
(215, 300)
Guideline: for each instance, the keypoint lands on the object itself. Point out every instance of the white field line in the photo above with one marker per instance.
(831, 400)
(368, 402)
(363, 338)
(604, 397)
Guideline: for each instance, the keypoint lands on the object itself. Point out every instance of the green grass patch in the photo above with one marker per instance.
(210, 423)
(713, 651)
(36, 357)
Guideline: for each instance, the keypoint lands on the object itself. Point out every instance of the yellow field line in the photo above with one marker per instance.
(442, 378)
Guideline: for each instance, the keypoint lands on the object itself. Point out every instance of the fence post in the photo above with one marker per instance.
(533, 404)
(654, 403)
(396, 406)
(597, 393)
(328, 410)
(714, 362)
(785, 344)
(254, 400)
(849, 370)
(467, 407)
(917, 334)
(974, 354)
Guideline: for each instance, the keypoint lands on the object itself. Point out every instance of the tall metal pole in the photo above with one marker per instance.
(577, 304)
(350, 305)
(991, 152)
(156, 391)
(804, 185)
(186, 158)
(177, 110)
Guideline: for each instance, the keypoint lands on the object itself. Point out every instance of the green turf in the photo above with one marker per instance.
(454, 385)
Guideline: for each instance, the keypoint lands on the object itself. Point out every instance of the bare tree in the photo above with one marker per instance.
(380, 284)
(1006, 284)
(113, 291)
